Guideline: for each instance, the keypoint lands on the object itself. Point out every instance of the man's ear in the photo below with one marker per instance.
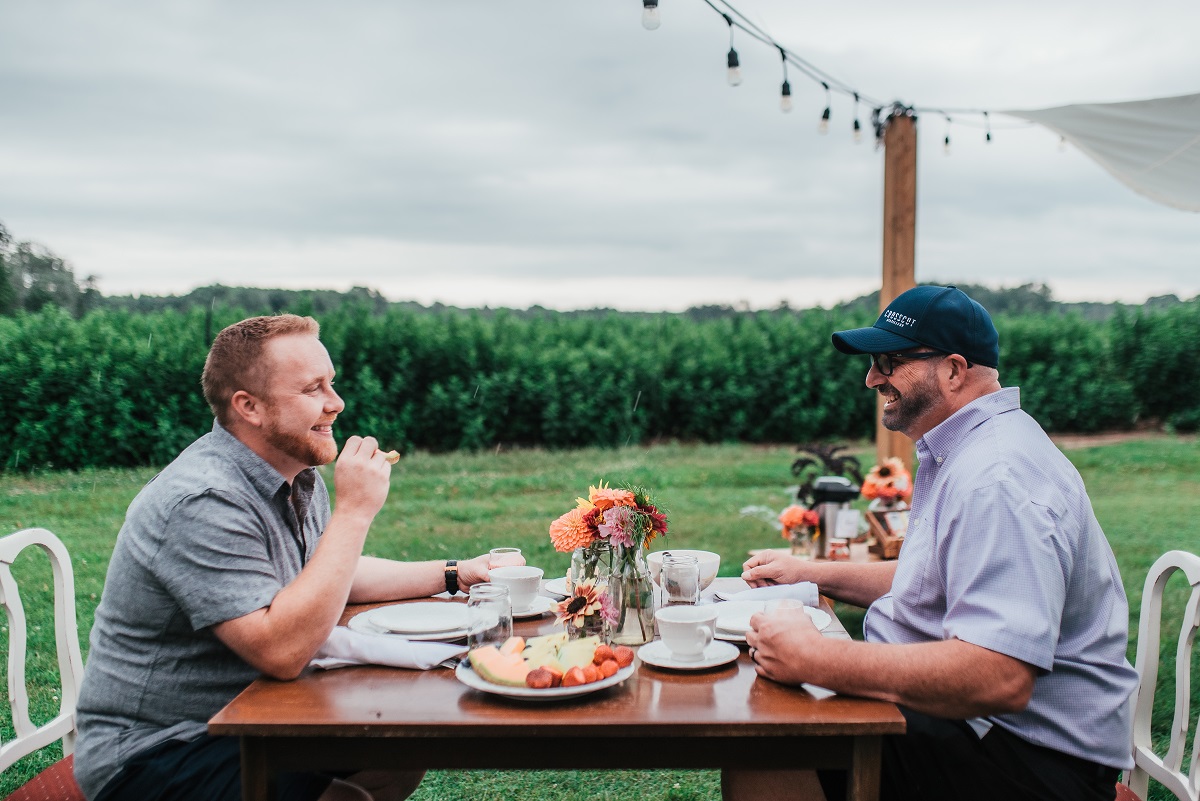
(958, 369)
(246, 407)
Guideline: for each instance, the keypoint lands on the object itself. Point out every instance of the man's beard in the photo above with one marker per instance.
(301, 448)
(912, 405)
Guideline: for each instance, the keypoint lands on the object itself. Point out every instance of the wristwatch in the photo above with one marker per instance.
(452, 576)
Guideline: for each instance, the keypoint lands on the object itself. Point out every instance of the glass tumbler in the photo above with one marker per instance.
(489, 616)
(680, 580)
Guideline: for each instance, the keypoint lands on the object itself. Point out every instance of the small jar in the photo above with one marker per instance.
(838, 551)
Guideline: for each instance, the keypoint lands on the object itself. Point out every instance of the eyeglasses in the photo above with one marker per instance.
(886, 363)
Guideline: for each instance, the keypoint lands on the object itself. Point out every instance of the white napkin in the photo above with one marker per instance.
(345, 647)
(805, 592)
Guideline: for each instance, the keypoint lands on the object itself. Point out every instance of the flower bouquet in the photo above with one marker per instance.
(799, 528)
(888, 486)
(606, 534)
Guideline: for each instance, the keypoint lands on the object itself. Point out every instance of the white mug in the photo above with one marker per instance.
(687, 630)
(523, 583)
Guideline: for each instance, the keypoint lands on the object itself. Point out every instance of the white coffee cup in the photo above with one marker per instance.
(522, 581)
(687, 630)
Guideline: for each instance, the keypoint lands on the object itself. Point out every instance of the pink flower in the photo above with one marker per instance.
(619, 526)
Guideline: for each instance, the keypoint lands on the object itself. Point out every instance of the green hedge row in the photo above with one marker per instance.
(119, 389)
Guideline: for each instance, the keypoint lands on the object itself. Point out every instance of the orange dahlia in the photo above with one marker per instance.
(606, 498)
(570, 532)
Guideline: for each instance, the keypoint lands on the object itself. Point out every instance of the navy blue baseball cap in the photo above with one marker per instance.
(938, 317)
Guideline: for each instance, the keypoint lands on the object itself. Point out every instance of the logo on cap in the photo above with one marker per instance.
(899, 320)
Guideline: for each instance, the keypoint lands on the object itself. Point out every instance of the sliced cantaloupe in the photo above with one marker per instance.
(513, 645)
(507, 669)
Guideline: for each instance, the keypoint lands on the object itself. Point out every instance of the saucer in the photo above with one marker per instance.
(557, 586)
(718, 653)
(540, 606)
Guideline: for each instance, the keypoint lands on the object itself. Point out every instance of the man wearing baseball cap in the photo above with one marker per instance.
(1001, 630)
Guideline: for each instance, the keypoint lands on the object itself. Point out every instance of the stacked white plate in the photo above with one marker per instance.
(415, 621)
(733, 618)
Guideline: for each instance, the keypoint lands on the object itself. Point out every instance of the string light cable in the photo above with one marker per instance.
(881, 112)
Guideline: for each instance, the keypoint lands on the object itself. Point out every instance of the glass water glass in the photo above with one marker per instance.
(489, 616)
(680, 580)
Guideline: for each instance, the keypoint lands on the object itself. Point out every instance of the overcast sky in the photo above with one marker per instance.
(511, 153)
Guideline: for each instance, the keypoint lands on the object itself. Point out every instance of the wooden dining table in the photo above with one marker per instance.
(726, 718)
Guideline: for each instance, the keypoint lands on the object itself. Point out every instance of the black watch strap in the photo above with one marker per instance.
(452, 576)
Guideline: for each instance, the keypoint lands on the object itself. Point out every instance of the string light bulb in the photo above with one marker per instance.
(785, 91)
(823, 125)
(857, 124)
(734, 73)
(651, 19)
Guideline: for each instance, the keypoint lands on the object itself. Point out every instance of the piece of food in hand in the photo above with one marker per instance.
(624, 655)
(391, 457)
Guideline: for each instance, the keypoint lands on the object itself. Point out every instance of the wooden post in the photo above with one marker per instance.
(899, 246)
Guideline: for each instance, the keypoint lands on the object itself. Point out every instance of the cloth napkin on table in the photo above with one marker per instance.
(345, 647)
(804, 591)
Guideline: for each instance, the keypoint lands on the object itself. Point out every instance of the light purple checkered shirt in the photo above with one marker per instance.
(1003, 551)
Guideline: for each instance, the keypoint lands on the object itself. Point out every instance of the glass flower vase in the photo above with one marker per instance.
(593, 562)
(632, 596)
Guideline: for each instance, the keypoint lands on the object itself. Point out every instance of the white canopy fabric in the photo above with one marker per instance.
(1151, 146)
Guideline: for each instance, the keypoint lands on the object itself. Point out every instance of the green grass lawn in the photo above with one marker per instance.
(1146, 494)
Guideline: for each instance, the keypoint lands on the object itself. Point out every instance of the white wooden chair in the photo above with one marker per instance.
(56, 781)
(1167, 770)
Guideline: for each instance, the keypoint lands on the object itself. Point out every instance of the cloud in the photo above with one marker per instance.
(473, 150)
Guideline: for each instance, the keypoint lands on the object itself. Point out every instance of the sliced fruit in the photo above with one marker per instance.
(591, 672)
(543, 650)
(578, 653)
(603, 652)
(573, 677)
(623, 655)
(539, 679)
(609, 667)
(513, 645)
(556, 673)
(507, 669)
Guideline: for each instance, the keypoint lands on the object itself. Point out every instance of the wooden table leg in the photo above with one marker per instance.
(257, 780)
(865, 769)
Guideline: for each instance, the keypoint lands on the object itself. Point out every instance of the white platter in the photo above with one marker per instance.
(733, 618)
(540, 606)
(469, 677)
(362, 624)
(718, 653)
(420, 618)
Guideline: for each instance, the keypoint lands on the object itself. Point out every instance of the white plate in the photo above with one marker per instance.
(718, 653)
(420, 618)
(469, 677)
(540, 606)
(362, 624)
(557, 586)
(733, 617)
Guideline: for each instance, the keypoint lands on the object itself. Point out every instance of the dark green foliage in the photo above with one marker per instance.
(121, 389)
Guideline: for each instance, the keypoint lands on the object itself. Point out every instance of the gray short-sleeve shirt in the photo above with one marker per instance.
(211, 538)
